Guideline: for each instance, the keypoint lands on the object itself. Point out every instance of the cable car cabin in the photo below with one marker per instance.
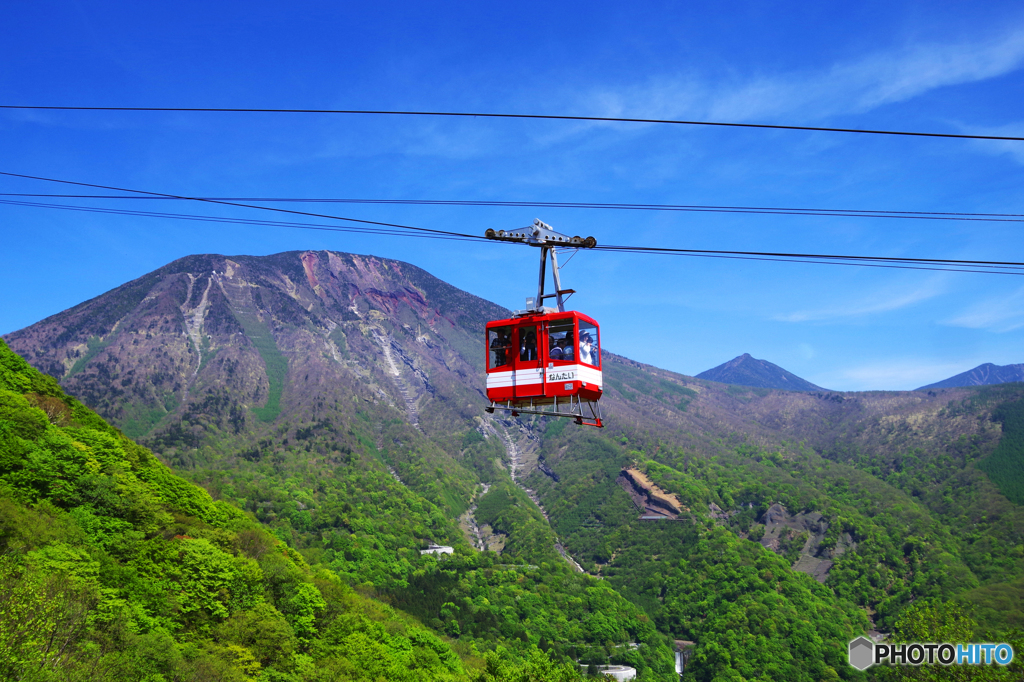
(545, 363)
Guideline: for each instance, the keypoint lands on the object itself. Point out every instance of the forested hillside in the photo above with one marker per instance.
(113, 568)
(334, 403)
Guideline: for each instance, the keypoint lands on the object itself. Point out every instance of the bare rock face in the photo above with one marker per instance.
(546, 470)
(715, 512)
(775, 517)
(809, 528)
(648, 498)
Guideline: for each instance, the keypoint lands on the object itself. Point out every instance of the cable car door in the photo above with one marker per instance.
(529, 374)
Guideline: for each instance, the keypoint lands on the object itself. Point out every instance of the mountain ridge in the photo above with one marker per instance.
(986, 374)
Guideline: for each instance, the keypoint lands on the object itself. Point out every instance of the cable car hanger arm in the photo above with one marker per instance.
(544, 236)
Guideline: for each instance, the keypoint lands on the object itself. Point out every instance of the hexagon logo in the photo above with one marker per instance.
(862, 653)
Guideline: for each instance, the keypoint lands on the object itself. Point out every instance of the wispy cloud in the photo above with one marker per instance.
(854, 86)
(881, 301)
(1000, 147)
(997, 314)
(893, 375)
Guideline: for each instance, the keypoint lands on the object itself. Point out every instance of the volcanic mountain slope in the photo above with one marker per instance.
(934, 446)
(982, 375)
(211, 354)
(748, 371)
(276, 332)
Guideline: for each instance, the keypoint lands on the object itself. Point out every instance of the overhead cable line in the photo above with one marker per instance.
(983, 267)
(948, 265)
(819, 260)
(482, 114)
(241, 205)
(694, 208)
(240, 221)
(655, 249)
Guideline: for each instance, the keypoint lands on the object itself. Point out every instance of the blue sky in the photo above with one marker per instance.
(947, 67)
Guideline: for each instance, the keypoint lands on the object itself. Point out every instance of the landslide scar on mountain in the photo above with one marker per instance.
(649, 498)
(309, 261)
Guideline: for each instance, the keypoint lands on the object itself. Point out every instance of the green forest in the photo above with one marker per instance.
(114, 568)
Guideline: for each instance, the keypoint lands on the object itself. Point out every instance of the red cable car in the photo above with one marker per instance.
(545, 360)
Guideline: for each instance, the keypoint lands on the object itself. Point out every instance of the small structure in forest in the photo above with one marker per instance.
(437, 549)
(616, 672)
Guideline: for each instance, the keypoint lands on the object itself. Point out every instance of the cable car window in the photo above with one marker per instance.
(528, 343)
(560, 340)
(589, 348)
(499, 342)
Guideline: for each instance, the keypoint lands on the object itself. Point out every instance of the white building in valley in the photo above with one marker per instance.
(437, 549)
(616, 672)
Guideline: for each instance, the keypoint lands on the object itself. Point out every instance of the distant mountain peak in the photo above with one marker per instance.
(983, 375)
(746, 370)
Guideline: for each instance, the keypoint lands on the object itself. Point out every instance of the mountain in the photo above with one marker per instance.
(336, 398)
(982, 375)
(748, 371)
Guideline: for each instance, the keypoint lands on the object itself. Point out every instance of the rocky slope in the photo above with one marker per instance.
(262, 336)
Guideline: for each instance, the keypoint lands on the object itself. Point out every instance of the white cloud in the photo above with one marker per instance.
(998, 314)
(848, 87)
(881, 301)
(895, 375)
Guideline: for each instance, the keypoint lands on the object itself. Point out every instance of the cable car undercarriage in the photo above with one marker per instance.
(571, 407)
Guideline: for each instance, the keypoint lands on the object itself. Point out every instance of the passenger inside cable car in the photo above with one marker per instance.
(527, 343)
(589, 348)
(501, 342)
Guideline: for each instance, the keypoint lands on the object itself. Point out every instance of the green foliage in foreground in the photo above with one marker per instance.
(113, 568)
